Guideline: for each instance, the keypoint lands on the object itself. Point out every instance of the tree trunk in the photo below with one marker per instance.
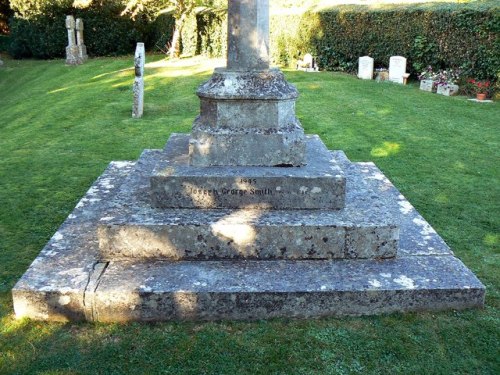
(175, 45)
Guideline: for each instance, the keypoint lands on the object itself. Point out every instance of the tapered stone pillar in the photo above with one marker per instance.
(72, 55)
(247, 115)
(82, 49)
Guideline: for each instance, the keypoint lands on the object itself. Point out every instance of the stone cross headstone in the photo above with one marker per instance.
(365, 67)
(72, 55)
(247, 112)
(82, 49)
(397, 69)
(138, 89)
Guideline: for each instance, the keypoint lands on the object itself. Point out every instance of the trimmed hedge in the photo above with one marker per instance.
(462, 36)
(38, 28)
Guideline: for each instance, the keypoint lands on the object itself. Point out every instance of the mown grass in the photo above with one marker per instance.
(60, 126)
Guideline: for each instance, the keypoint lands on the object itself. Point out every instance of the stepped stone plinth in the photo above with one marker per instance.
(244, 218)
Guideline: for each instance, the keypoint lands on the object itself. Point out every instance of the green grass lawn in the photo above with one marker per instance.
(60, 126)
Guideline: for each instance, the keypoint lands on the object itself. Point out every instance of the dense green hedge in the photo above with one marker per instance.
(445, 36)
(38, 28)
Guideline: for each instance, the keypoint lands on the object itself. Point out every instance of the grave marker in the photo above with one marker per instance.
(82, 49)
(397, 69)
(72, 53)
(365, 67)
(138, 89)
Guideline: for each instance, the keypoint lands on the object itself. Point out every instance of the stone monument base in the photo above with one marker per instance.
(72, 278)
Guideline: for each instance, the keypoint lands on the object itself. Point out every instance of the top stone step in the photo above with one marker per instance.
(320, 184)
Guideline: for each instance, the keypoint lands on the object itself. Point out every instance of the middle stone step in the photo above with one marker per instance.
(320, 184)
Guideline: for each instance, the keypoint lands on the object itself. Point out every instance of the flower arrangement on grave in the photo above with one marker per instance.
(427, 75)
(480, 88)
(447, 77)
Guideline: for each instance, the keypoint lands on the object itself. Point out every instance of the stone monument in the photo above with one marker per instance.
(72, 52)
(397, 69)
(365, 67)
(82, 49)
(138, 88)
(244, 218)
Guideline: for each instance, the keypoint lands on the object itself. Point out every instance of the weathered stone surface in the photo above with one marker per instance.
(300, 289)
(447, 89)
(82, 49)
(177, 184)
(219, 147)
(138, 88)
(72, 52)
(247, 119)
(427, 85)
(364, 229)
(248, 35)
(68, 280)
(56, 285)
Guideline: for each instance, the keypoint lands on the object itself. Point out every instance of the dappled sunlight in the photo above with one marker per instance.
(238, 229)
(58, 90)
(491, 239)
(313, 86)
(387, 149)
(442, 198)
(186, 304)
(200, 197)
(183, 67)
(459, 166)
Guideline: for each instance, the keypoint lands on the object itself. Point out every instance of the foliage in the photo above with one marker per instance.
(38, 29)
(5, 13)
(442, 35)
(60, 127)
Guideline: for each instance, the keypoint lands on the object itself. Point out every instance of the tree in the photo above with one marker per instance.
(181, 11)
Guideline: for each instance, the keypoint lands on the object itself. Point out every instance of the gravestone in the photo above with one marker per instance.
(244, 218)
(1, 62)
(82, 49)
(365, 67)
(308, 64)
(397, 69)
(138, 88)
(72, 52)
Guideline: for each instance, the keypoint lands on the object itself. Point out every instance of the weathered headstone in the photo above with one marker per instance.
(1, 62)
(72, 53)
(138, 89)
(82, 49)
(214, 226)
(397, 69)
(365, 67)
(247, 110)
(308, 64)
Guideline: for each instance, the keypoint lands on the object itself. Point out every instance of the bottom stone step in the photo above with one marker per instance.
(215, 290)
